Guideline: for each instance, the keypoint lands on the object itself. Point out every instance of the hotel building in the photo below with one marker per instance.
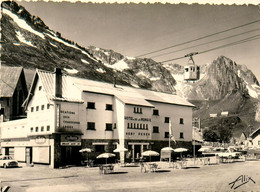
(66, 114)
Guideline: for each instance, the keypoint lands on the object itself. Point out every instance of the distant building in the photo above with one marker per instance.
(225, 113)
(255, 138)
(13, 91)
(66, 114)
(213, 115)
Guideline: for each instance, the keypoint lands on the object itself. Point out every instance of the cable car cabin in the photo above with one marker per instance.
(191, 72)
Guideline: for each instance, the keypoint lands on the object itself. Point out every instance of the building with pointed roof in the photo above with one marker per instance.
(13, 91)
(66, 114)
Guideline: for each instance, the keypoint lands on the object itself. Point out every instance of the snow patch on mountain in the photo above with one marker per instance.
(155, 78)
(181, 87)
(141, 73)
(61, 41)
(253, 90)
(22, 23)
(130, 58)
(84, 52)
(71, 71)
(100, 70)
(84, 61)
(53, 44)
(119, 66)
(23, 40)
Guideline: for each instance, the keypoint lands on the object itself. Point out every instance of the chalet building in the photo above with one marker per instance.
(255, 138)
(66, 114)
(13, 91)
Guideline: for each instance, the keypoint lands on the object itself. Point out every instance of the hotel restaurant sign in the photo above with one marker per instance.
(70, 140)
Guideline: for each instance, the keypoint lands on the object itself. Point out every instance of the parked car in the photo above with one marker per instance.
(7, 161)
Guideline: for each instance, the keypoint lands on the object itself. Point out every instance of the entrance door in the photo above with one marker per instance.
(70, 155)
(28, 155)
(137, 152)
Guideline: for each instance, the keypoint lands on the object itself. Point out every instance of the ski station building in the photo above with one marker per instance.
(66, 114)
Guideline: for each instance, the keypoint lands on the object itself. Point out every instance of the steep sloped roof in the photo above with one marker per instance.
(124, 93)
(255, 133)
(73, 86)
(9, 77)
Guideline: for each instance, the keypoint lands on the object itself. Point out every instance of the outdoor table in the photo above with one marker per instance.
(107, 168)
(153, 167)
(89, 163)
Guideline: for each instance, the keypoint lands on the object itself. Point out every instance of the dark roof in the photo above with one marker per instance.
(9, 77)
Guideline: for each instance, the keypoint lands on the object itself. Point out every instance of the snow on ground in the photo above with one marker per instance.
(53, 44)
(84, 52)
(100, 70)
(155, 78)
(22, 23)
(120, 65)
(253, 90)
(130, 58)
(141, 73)
(17, 44)
(84, 61)
(23, 40)
(135, 85)
(72, 71)
(61, 41)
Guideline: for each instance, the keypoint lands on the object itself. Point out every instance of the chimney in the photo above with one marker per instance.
(115, 81)
(58, 83)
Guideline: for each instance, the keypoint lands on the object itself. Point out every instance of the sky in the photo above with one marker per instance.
(137, 29)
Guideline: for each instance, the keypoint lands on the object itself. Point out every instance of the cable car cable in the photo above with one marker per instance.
(186, 42)
(219, 47)
(205, 43)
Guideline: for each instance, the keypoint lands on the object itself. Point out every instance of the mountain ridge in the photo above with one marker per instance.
(34, 45)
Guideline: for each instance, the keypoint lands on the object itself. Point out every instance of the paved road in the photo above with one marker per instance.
(206, 178)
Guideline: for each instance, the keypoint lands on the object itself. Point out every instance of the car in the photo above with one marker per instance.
(7, 161)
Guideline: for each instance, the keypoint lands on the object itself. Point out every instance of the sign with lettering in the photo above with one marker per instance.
(40, 140)
(70, 140)
(138, 119)
(69, 117)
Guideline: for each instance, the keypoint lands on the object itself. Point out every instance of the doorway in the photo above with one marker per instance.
(70, 155)
(28, 155)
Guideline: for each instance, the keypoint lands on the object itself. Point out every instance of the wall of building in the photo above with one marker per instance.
(175, 113)
(256, 141)
(100, 116)
(40, 112)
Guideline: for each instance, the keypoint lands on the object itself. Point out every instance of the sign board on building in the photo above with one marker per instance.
(70, 140)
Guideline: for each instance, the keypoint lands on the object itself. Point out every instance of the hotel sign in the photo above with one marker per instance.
(138, 119)
(70, 140)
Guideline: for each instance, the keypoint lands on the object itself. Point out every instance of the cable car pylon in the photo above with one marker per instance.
(191, 70)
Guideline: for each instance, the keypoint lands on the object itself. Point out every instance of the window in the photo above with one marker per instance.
(137, 125)
(141, 126)
(91, 126)
(155, 129)
(40, 88)
(147, 126)
(109, 127)
(36, 129)
(137, 110)
(42, 128)
(31, 129)
(114, 125)
(37, 108)
(166, 119)
(42, 107)
(166, 135)
(48, 127)
(109, 107)
(128, 125)
(48, 106)
(91, 105)
(100, 148)
(181, 121)
(32, 109)
(155, 112)
(181, 135)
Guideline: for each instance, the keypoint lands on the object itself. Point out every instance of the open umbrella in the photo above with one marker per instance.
(118, 150)
(150, 153)
(204, 149)
(88, 150)
(105, 156)
(167, 149)
(180, 150)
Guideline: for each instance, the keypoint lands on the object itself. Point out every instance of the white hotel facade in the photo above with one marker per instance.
(66, 114)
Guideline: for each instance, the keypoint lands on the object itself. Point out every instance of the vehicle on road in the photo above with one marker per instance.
(7, 161)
